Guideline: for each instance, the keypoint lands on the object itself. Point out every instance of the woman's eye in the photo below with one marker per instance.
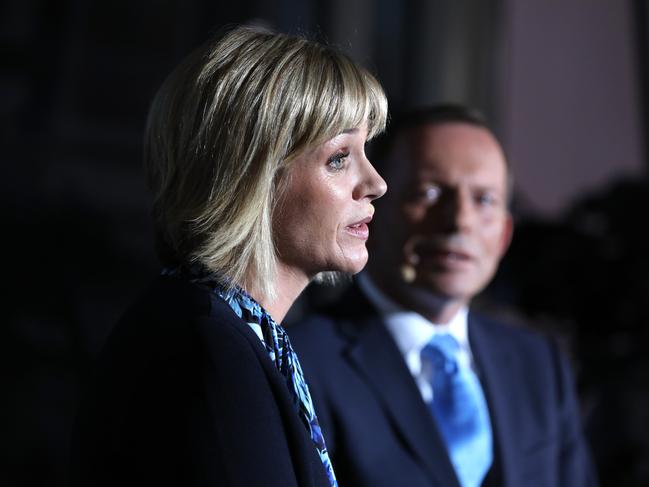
(337, 162)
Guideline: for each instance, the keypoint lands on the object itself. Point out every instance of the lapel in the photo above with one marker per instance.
(305, 459)
(374, 355)
(495, 367)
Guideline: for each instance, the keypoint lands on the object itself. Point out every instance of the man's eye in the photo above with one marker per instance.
(431, 193)
(485, 199)
(337, 162)
(428, 194)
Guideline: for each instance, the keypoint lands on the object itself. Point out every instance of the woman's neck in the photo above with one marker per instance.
(289, 284)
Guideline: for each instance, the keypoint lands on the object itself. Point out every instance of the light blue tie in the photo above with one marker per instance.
(460, 410)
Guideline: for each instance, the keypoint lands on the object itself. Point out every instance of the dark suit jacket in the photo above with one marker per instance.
(380, 432)
(186, 395)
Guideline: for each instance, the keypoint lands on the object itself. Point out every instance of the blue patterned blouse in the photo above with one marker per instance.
(280, 352)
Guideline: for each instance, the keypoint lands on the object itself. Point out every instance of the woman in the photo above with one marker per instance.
(255, 155)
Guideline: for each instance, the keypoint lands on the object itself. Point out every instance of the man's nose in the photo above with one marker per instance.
(453, 212)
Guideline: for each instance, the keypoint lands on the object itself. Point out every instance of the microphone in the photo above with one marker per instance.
(411, 259)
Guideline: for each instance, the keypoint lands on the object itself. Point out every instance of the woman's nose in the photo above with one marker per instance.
(373, 186)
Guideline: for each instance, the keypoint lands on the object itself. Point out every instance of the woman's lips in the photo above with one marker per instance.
(360, 229)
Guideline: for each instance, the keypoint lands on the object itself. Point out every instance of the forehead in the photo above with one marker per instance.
(451, 153)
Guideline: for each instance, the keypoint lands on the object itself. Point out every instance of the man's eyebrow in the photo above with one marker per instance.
(349, 131)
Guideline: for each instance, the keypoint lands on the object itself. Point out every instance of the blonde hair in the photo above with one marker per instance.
(223, 129)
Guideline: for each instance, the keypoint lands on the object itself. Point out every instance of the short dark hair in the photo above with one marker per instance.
(434, 114)
(400, 121)
(445, 112)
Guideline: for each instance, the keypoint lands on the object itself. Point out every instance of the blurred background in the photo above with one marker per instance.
(565, 84)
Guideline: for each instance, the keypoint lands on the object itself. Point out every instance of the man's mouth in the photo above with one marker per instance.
(439, 254)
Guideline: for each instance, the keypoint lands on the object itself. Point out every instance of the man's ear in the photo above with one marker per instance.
(508, 233)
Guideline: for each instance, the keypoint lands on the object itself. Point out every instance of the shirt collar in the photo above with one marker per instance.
(410, 330)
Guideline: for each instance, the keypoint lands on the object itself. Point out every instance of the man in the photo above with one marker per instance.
(413, 389)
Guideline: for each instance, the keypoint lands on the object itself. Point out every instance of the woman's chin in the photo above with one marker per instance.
(354, 263)
(350, 263)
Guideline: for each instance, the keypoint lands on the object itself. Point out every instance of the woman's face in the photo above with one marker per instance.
(321, 221)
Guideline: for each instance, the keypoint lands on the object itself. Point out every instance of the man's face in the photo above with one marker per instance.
(447, 216)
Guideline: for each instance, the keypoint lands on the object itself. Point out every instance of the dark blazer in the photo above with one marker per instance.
(380, 432)
(186, 395)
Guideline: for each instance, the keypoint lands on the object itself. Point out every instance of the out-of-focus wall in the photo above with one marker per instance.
(570, 98)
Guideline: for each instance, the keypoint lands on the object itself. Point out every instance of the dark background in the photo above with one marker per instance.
(564, 83)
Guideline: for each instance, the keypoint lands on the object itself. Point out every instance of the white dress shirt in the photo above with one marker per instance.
(411, 332)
